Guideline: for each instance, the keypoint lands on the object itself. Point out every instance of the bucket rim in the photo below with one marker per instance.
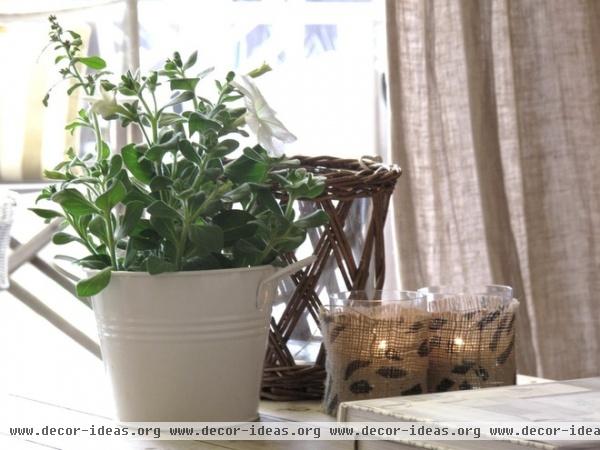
(184, 273)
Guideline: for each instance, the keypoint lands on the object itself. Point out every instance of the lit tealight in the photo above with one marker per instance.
(459, 342)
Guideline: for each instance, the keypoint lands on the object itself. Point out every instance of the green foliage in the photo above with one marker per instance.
(174, 202)
(95, 284)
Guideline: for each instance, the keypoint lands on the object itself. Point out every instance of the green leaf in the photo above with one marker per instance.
(131, 217)
(208, 238)
(212, 173)
(126, 91)
(93, 62)
(232, 98)
(107, 85)
(164, 227)
(104, 151)
(256, 153)
(155, 265)
(97, 227)
(139, 243)
(169, 118)
(96, 262)
(135, 194)
(183, 97)
(314, 219)
(160, 183)
(184, 84)
(161, 209)
(95, 284)
(114, 195)
(46, 193)
(265, 199)
(235, 224)
(155, 153)
(201, 124)
(73, 87)
(264, 68)
(139, 167)
(62, 238)
(83, 221)
(54, 175)
(74, 202)
(245, 169)
(191, 60)
(131, 254)
(46, 213)
(116, 164)
(246, 254)
(169, 140)
(188, 151)
(238, 194)
(291, 242)
(196, 201)
(65, 258)
(205, 72)
(225, 148)
(302, 184)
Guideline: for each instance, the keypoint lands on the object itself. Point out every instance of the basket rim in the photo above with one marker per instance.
(358, 166)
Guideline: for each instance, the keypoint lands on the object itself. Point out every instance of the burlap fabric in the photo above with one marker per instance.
(471, 342)
(374, 352)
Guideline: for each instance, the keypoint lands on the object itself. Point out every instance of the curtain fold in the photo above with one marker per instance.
(495, 119)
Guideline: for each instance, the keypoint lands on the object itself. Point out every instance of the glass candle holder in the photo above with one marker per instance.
(471, 337)
(7, 207)
(376, 345)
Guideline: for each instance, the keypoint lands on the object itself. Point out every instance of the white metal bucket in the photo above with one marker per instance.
(187, 346)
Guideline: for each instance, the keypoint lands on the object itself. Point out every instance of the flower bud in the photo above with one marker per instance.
(259, 71)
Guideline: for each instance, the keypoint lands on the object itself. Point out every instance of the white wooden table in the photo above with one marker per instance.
(301, 411)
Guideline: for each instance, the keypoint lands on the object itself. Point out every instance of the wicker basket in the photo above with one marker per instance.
(347, 181)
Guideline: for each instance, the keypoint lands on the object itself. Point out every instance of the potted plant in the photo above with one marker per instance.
(183, 232)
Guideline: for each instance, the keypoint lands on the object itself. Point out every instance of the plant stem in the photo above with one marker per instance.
(148, 141)
(81, 234)
(151, 118)
(111, 239)
(182, 240)
(87, 89)
(251, 203)
(289, 208)
(98, 135)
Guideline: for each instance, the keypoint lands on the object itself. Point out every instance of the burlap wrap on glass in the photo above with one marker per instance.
(374, 352)
(471, 343)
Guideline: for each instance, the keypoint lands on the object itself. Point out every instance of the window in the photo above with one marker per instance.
(326, 81)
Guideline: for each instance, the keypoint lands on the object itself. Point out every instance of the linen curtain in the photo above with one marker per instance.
(495, 119)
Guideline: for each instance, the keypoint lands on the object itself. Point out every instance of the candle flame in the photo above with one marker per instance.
(382, 345)
(459, 342)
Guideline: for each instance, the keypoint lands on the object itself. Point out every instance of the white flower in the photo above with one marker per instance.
(260, 117)
(106, 105)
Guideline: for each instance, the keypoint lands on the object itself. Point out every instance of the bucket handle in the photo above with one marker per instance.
(292, 268)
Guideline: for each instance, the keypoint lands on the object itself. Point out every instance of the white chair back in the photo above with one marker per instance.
(7, 210)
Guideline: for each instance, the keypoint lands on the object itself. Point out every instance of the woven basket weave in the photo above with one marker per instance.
(347, 180)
